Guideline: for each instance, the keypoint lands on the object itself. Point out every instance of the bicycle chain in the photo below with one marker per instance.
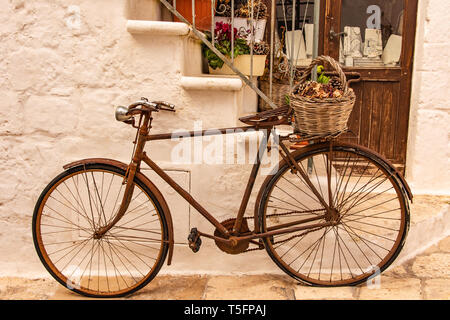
(292, 237)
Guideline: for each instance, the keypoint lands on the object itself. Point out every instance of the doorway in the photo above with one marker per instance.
(376, 39)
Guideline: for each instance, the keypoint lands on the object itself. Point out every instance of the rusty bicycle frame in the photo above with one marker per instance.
(233, 235)
(232, 238)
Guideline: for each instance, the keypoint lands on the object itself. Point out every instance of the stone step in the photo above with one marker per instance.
(161, 28)
(229, 91)
(430, 223)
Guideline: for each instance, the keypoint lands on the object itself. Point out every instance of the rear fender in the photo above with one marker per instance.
(393, 170)
(147, 182)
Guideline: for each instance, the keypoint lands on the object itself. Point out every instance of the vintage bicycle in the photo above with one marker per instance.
(333, 214)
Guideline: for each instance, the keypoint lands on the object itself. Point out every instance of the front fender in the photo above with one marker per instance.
(147, 182)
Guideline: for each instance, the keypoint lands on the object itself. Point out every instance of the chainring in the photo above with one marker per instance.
(241, 245)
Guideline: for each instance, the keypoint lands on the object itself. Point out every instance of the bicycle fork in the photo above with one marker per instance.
(129, 175)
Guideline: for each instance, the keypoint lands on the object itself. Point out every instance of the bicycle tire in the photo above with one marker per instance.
(119, 242)
(312, 271)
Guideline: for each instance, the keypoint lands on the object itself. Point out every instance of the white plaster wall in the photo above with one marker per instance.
(428, 157)
(59, 84)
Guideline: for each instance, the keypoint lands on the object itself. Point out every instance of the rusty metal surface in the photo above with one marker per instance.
(233, 247)
(199, 133)
(158, 195)
(160, 172)
(231, 239)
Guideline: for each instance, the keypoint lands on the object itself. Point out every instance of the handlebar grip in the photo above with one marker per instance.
(165, 104)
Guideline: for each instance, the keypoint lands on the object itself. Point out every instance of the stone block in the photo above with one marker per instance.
(435, 57)
(437, 14)
(393, 289)
(315, 293)
(173, 287)
(13, 288)
(435, 265)
(444, 245)
(97, 108)
(51, 115)
(429, 164)
(432, 93)
(33, 68)
(437, 289)
(11, 113)
(258, 287)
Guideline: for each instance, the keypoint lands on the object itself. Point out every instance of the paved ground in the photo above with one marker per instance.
(425, 277)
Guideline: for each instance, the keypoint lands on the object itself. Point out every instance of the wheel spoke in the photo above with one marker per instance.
(367, 222)
(126, 257)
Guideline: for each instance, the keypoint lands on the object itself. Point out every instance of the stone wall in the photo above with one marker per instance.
(428, 157)
(65, 66)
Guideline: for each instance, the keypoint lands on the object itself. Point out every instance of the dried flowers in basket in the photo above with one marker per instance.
(322, 109)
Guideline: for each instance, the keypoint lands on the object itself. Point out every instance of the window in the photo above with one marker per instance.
(372, 33)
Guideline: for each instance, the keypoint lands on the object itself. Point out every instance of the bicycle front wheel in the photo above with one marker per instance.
(80, 201)
(370, 216)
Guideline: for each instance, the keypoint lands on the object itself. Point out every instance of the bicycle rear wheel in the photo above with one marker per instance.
(370, 224)
(77, 203)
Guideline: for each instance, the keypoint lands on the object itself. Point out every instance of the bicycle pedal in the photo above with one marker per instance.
(194, 240)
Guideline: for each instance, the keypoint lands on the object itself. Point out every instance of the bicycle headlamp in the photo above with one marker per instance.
(122, 114)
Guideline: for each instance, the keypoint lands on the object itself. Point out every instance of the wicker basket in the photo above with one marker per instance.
(322, 117)
(280, 89)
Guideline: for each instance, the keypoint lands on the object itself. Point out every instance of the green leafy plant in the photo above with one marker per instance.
(321, 77)
(222, 42)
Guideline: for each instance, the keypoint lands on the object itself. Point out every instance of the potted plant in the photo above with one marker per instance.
(243, 17)
(241, 53)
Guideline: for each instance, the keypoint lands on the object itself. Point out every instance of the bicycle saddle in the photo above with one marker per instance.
(271, 117)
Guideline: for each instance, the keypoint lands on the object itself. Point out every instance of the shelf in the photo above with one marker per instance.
(208, 82)
(162, 28)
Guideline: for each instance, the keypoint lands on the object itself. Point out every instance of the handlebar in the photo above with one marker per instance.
(166, 106)
(152, 106)
(125, 114)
